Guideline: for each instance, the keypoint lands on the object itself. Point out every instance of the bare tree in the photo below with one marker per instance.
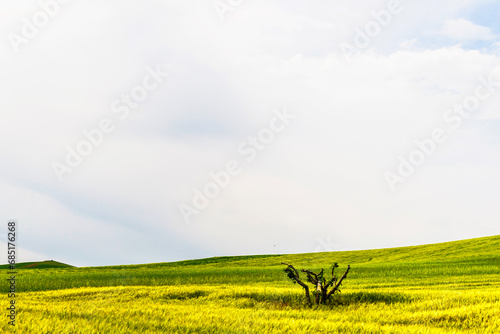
(319, 282)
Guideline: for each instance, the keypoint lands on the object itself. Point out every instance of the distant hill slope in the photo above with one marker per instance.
(485, 247)
(469, 248)
(38, 265)
(457, 264)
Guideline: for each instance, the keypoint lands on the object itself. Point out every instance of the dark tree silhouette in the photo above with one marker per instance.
(319, 282)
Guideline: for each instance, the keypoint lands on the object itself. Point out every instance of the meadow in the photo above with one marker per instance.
(449, 287)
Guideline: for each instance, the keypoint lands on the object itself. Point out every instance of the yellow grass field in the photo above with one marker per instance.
(392, 292)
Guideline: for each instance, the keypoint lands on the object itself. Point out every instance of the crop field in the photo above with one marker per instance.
(441, 288)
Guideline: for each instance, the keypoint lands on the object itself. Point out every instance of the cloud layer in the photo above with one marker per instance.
(320, 178)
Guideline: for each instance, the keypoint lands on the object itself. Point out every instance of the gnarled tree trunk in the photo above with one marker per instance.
(321, 285)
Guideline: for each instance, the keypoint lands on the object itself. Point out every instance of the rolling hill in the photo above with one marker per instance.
(451, 287)
(38, 265)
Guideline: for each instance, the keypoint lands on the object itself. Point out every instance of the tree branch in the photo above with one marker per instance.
(302, 284)
(310, 274)
(289, 265)
(335, 288)
(330, 282)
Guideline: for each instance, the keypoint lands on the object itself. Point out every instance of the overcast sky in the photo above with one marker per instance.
(137, 131)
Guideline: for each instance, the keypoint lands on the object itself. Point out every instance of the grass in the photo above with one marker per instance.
(37, 265)
(442, 288)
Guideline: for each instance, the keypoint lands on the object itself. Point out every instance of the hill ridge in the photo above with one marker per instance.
(474, 247)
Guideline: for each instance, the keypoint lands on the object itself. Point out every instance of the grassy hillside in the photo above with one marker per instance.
(38, 265)
(477, 247)
(474, 261)
(451, 287)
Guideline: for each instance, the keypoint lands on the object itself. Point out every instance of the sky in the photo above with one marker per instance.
(154, 131)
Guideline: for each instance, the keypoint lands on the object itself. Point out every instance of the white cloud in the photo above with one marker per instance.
(465, 30)
(322, 176)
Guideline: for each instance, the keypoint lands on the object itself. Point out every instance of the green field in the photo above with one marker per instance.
(450, 287)
(37, 265)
